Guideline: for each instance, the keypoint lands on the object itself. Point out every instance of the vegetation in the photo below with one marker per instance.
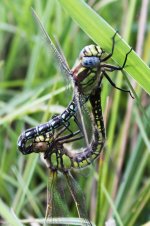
(32, 90)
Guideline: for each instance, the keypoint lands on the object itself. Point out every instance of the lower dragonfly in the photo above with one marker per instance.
(87, 77)
(58, 157)
(50, 143)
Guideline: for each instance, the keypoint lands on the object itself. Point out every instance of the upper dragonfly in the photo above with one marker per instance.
(87, 76)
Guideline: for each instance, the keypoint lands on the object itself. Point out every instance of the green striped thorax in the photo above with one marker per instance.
(87, 69)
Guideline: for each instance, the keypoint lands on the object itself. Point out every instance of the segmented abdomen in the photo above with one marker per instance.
(98, 140)
(62, 159)
(57, 121)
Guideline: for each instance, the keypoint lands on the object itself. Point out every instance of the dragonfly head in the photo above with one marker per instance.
(90, 56)
(41, 143)
(40, 147)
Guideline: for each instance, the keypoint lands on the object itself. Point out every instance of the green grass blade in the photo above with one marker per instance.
(137, 207)
(110, 201)
(8, 215)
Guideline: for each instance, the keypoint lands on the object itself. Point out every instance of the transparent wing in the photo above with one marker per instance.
(57, 52)
(60, 193)
(83, 128)
(64, 68)
(66, 78)
(56, 204)
(79, 199)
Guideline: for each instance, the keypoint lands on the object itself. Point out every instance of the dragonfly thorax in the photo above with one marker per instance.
(90, 56)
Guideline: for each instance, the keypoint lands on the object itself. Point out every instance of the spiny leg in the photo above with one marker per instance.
(112, 50)
(52, 143)
(111, 68)
(60, 141)
(67, 126)
(64, 123)
(66, 137)
(71, 140)
(114, 85)
(125, 60)
(61, 131)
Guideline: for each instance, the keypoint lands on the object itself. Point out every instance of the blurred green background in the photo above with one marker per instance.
(32, 89)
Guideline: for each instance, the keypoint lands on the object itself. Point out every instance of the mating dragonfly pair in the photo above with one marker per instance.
(52, 137)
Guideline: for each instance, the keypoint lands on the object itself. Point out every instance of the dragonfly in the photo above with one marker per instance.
(52, 142)
(25, 139)
(87, 77)
(58, 157)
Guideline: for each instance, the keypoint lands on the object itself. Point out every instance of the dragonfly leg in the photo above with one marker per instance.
(61, 131)
(112, 68)
(112, 50)
(66, 125)
(47, 152)
(67, 138)
(71, 140)
(114, 85)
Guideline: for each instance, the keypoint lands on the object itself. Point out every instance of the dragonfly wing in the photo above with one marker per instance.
(57, 52)
(78, 197)
(64, 67)
(57, 210)
(67, 76)
(83, 115)
(56, 202)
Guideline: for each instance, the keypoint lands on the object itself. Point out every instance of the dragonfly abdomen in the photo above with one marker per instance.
(56, 122)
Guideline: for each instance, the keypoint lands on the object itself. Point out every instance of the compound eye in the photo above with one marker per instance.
(85, 62)
(90, 61)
